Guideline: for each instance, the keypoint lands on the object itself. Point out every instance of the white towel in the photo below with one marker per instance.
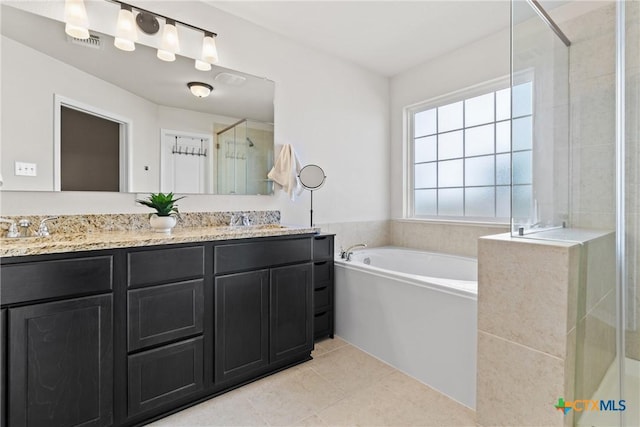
(285, 171)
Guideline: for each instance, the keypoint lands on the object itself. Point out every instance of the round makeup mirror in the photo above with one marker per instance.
(312, 177)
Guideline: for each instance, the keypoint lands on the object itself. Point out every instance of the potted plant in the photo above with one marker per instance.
(166, 211)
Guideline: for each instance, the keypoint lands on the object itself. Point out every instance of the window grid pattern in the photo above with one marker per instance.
(462, 155)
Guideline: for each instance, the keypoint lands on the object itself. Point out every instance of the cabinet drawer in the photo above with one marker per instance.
(322, 323)
(163, 313)
(322, 247)
(57, 278)
(256, 255)
(322, 297)
(163, 375)
(322, 273)
(164, 265)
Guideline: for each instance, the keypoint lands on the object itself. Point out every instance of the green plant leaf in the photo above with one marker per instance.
(164, 204)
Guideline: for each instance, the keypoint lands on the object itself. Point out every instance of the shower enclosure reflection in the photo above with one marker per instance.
(244, 153)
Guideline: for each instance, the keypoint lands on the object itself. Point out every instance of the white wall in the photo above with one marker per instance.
(476, 63)
(335, 114)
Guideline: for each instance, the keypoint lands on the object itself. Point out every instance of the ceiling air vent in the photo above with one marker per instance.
(93, 42)
(230, 79)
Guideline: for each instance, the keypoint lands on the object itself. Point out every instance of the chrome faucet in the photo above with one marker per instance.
(240, 219)
(346, 254)
(43, 230)
(12, 232)
(24, 225)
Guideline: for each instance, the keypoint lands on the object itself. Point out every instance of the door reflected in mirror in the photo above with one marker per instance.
(41, 66)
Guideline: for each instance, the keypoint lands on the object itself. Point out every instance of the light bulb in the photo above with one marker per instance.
(76, 20)
(126, 33)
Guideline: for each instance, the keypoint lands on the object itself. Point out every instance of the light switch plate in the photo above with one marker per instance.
(25, 169)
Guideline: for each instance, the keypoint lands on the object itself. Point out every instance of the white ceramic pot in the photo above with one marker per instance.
(162, 224)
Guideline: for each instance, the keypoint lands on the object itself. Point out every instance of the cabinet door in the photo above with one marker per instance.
(163, 313)
(242, 323)
(164, 375)
(3, 370)
(291, 311)
(61, 363)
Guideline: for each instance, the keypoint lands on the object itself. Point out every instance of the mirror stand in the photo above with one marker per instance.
(311, 178)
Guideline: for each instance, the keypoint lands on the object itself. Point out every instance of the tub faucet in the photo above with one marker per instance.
(346, 254)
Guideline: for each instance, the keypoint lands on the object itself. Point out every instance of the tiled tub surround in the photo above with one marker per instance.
(93, 232)
(434, 236)
(449, 238)
(536, 300)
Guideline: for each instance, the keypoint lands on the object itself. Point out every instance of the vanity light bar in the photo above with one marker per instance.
(170, 44)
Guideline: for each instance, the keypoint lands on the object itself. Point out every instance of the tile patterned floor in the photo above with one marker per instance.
(341, 386)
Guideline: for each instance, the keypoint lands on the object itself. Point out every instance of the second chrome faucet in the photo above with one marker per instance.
(346, 254)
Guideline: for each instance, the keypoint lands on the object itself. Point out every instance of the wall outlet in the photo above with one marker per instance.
(25, 169)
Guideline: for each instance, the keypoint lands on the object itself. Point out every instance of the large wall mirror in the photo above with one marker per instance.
(85, 116)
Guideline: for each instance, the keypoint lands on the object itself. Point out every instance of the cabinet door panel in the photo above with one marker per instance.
(3, 368)
(291, 311)
(164, 265)
(242, 323)
(61, 363)
(238, 257)
(163, 313)
(163, 375)
(322, 247)
(57, 278)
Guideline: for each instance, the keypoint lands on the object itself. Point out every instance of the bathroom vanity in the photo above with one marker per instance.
(124, 335)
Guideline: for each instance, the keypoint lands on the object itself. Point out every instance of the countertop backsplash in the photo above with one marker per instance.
(98, 223)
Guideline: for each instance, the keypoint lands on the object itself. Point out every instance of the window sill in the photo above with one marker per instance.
(471, 223)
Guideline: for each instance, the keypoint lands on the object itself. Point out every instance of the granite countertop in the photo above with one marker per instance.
(74, 242)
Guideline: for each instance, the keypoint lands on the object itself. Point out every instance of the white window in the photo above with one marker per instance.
(460, 154)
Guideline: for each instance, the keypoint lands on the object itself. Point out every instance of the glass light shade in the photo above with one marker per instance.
(209, 51)
(76, 31)
(124, 44)
(201, 90)
(126, 33)
(166, 56)
(76, 20)
(170, 41)
(202, 66)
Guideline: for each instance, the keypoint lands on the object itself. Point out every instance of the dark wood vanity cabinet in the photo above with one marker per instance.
(323, 286)
(263, 315)
(3, 366)
(165, 325)
(121, 337)
(59, 343)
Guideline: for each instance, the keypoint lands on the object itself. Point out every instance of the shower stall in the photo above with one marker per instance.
(244, 153)
(575, 174)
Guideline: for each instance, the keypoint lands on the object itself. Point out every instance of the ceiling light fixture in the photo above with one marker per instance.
(126, 33)
(77, 25)
(199, 89)
(76, 20)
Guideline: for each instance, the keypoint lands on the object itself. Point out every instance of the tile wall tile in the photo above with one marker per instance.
(523, 292)
(517, 386)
